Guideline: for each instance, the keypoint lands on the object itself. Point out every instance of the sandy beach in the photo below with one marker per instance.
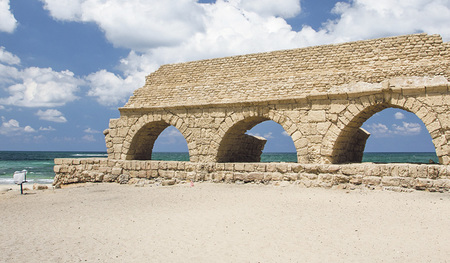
(222, 223)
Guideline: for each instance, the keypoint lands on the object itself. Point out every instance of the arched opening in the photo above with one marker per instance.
(242, 143)
(279, 146)
(351, 143)
(170, 146)
(398, 136)
(143, 142)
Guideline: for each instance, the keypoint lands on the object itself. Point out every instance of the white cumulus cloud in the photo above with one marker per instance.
(49, 128)
(13, 128)
(42, 87)
(8, 58)
(399, 116)
(161, 32)
(51, 115)
(33, 86)
(362, 19)
(378, 129)
(8, 22)
(135, 24)
(8, 71)
(282, 8)
(407, 128)
(111, 89)
(8, 75)
(91, 131)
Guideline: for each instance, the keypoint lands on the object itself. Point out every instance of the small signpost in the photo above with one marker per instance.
(20, 178)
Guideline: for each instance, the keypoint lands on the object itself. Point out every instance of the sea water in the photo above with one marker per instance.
(39, 165)
(373, 157)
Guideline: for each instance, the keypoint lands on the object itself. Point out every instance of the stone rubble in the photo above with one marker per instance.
(398, 177)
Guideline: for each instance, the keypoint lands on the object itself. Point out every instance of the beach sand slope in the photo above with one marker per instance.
(222, 223)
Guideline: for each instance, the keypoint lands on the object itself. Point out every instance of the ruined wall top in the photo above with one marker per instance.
(294, 73)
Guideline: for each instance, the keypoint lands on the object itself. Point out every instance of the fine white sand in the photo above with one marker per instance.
(222, 223)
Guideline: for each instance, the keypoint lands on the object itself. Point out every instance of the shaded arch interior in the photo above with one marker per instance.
(143, 141)
(236, 146)
(349, 146)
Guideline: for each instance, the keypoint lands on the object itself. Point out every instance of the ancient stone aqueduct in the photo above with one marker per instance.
(320, 95)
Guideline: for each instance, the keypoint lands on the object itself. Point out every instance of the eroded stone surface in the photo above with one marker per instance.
(431, 177)
(320, 96)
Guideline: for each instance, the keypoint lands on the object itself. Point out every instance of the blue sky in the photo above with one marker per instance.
(67, 65)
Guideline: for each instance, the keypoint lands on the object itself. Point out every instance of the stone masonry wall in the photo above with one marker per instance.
(393, 176)
(320, 96)
(324, 128)
(292, 73)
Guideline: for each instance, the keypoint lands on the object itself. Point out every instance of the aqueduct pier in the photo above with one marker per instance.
(320, 96)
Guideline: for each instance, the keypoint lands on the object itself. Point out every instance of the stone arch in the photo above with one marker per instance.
(345, 140)
(233, 145)
(142, 135)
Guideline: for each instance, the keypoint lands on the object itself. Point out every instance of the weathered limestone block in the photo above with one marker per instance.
(297, 168)
(57, 169)
(373, 170)
(116, 171)
(371, 180)
(353, 169)
(282, 167)
(276, 176)
(340, 179)
(219, 176)
(308, 176)
(317, 116)
(229, 177)
(442, 184)
(423, 184)
(255, 177)
(172, 165)
(356, 179)
(168, 182)
(433, 171)
(110, 178)
(239, 167)
(312, 168)
(249, 167)
(141, 174)
(240, 176)
(123, 179)
(290, 176)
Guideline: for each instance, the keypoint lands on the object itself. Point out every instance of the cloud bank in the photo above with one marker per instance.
(39, 87)
(51, 115)
(13, 128)
(8, 22)
(160, 32)
(405, 129)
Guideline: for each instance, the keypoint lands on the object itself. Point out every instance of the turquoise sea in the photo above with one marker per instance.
(40, 164)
